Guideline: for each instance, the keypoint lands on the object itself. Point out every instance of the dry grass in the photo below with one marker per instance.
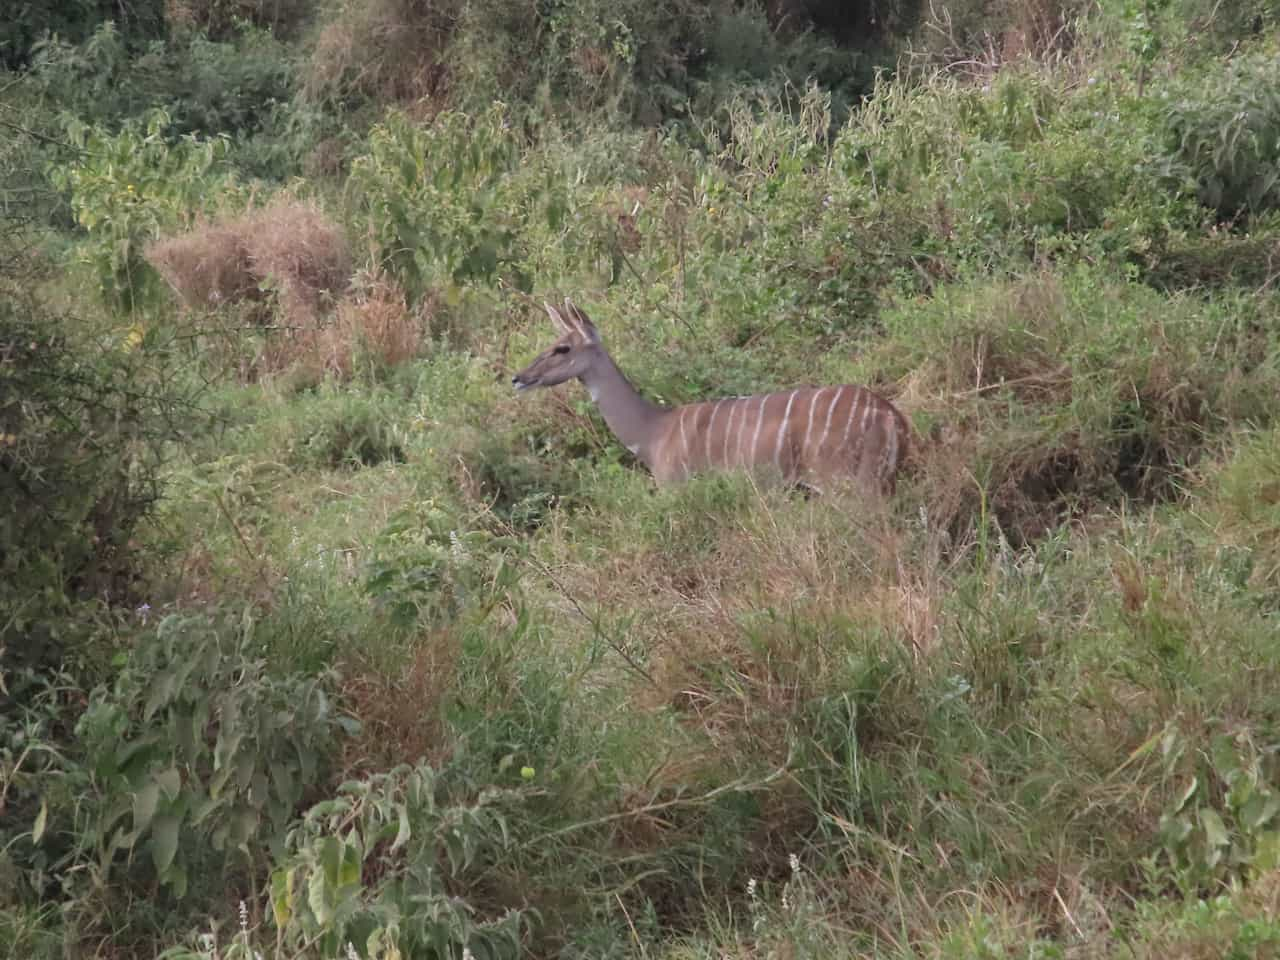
(291, 250)
(400, 712)
(389, 50)
(372, 327)
(289, 247)
(299, 253)
(377, 323)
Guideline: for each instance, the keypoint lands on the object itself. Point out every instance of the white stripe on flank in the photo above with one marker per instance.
(782, 430)
(755, 438)
(860, 443)
(711, 422)
(813, 405)
(684, 441)
(853, 408)
(728, 429)
(737, 444)
(830, 410)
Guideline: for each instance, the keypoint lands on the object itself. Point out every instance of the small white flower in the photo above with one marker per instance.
(244, 917)
(1092, 81)
(351, 951)
(751, 888)
(794, 861)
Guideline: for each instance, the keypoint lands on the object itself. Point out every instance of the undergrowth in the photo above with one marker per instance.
(318, 641)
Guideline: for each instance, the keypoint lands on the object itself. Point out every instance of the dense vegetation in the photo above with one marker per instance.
(315, 641)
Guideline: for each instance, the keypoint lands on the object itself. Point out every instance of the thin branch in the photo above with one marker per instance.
(741, 784)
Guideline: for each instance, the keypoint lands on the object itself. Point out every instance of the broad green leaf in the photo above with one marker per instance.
(170, 781)
(282, 780)
(176, 877)
(244, 823)
(403, 834)
(164, 840)
(349, 874)
(42, 819)
(1259, 809)
(244, 769)
(144, 805)
(1266, 856)
(282, 896)
(317, 899)
(1186, 795)
(331, 859)
(1215, 832)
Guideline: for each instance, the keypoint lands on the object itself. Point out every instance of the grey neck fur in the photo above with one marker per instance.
(632, 418)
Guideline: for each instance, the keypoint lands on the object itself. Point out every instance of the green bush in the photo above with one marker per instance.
(126, 188)
(196, 755)
(377, 864)
(438, 200)
(85, 420)
(237, 88)
(1223, 135)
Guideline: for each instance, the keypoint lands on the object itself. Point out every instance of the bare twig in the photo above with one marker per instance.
(741, 784)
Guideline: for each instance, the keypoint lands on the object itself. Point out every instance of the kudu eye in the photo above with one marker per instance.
(563, 348)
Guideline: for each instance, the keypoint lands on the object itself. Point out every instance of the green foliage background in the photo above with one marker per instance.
(317, 642)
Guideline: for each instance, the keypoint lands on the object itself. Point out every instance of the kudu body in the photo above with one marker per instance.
(807, 435)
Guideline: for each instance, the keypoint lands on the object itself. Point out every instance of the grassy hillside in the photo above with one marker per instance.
(316, 641)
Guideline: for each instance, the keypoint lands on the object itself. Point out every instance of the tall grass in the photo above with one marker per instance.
(412, 666)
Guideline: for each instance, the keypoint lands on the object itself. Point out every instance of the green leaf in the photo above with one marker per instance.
(403, 834)
(317, 899)
(349, 874)
(1259, 809)
(42, 819)
(1266, 856)
(331, 859)
(164, 840)
(282, 896)
(170, 781)
(282, 780)
(1215, 831)
(1186, 795)
(145, 802)
(176, 878)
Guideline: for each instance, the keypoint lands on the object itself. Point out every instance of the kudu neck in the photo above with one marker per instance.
(632, 418)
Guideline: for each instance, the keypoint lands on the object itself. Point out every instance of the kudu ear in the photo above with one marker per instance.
(561, 324)
(585, 326)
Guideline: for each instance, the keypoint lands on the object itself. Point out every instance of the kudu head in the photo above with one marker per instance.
(573, 354)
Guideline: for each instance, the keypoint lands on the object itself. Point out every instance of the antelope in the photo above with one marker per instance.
(806, 435)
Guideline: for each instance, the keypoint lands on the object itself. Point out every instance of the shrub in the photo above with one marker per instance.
(436, 199)
(196, 757)
(207, 88)
(86, 418)
(1047, 415)
(379, 864)
(125, 188)
(243, 746)
(1223, 135)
